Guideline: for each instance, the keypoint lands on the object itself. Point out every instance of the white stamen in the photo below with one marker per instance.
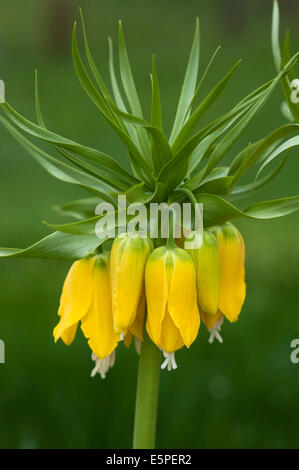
(214, 331)
(138, 344)
(169, 361)
(121, 338)
(102, 365)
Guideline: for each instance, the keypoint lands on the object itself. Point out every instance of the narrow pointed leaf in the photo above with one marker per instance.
(188, 87)
(156, 115)
(293, 142)
(80, 208)
(275, 36)
(193, 120)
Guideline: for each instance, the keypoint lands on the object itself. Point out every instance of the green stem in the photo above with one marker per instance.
(147, 396)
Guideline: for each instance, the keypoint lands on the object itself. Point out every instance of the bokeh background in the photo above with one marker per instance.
(241, 394)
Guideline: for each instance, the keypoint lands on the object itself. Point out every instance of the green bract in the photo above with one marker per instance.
(187, 166)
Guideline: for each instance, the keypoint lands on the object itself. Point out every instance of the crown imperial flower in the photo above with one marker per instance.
(208, 273)
(128, 257)
(114, 291)
(170, 281)
(232, 285)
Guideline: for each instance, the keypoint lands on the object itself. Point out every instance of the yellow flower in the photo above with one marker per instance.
(75, 300)
(208, 270)
(173, 318)
(128, 257)
(97, 324)
(232, 254)
(86, 296)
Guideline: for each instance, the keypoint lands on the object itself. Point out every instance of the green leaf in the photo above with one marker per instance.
(161, 150)
(104, 160)
(217, 182)
(114, 181)
(188, 87)
(156, 115)
(58, 169)
(202, 79)
(193, 120)
(287, 53)
(98, 77)
(293, 142)
(238, 161)
(228, 118)
(88, 227)
(80, 208)
(275, 36)
(118, 97)
(217, 210)
(131, 92)
(229, 140)
(127, 76)
(102, 106)
(273, 209)
(285, 110)
(263, 146)
(219, 186)
(248, 189)
(57, 245)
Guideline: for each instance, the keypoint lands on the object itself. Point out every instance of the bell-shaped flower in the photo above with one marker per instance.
(232, 255)
(173, 318)
(128, 258)
(86, 297)
(208, 273)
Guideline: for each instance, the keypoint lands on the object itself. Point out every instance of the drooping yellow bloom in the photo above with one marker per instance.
(170, 281)
(128, 257)
(97, 324)
(208, 273)
(76, 298)
(86, 296)
(232, 254)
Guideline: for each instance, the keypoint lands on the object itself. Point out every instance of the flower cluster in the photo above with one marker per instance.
(109, 293)
(115, 291)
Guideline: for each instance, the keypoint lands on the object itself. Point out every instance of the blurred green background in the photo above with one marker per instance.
(243, 393)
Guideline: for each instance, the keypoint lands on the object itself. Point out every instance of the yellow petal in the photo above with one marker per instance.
(208, 274)
(137, 328)
(97, 325)
(210, 320)
(128, 339)
(156, 288)
(128, 259)
(69, 334)
(171, 339)
(233, 287)
(76, 295)
(182, 302)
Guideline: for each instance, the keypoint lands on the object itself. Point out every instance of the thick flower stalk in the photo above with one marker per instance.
(140, 283)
